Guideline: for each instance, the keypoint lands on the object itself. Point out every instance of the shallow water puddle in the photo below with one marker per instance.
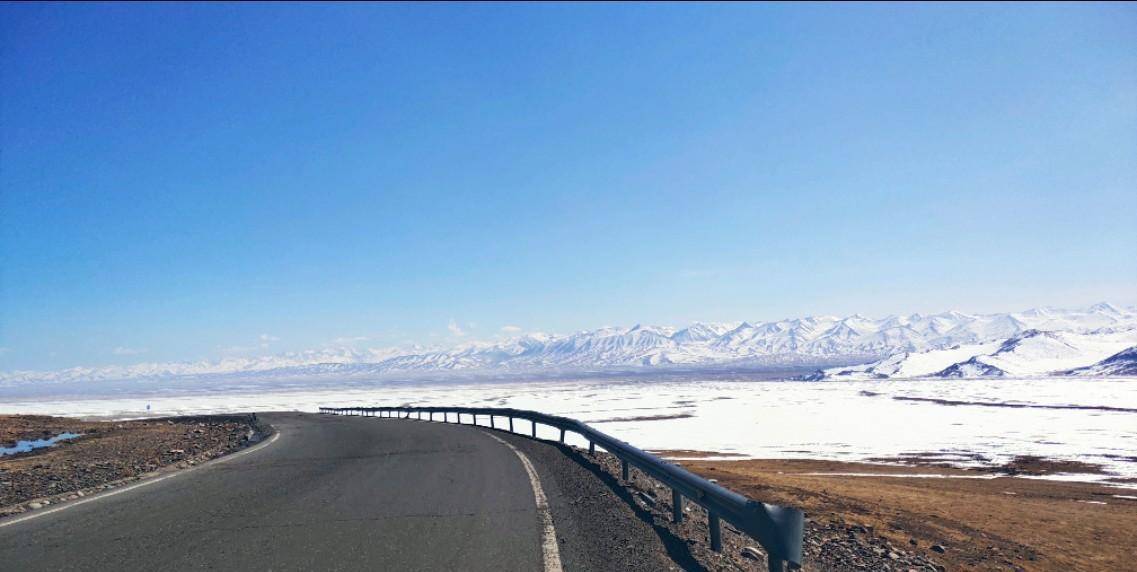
(26, 446)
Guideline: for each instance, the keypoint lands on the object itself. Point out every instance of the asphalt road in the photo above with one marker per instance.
(345, 493)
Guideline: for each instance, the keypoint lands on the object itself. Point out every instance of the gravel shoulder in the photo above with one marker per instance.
(598, 524)
(107, 454)
(626, 525)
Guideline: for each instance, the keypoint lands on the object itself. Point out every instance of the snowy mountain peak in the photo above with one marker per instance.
(1106, 308)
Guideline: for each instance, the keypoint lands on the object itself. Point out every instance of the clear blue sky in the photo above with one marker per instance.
(179, 180)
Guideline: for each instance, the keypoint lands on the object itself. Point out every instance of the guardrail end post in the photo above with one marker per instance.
(624, 469)
(676, 506)
(716, 531)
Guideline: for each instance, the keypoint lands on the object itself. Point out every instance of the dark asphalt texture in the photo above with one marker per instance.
(352, 493)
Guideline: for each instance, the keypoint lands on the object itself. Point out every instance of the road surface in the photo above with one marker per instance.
(346, 493)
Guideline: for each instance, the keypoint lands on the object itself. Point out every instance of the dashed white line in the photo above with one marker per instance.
(550, 552)
(147, 482)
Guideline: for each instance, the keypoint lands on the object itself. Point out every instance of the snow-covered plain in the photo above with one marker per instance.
(1087, 419)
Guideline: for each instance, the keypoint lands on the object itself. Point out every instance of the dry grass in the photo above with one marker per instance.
(983, 524)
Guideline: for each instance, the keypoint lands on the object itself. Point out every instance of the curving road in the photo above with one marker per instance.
(342, 493)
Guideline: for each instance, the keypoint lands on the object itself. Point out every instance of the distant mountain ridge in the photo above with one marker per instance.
(1106, 350)
(893, 345)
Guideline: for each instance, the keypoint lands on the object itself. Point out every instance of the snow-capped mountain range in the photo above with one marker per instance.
(1105, 351)
(1043, 340)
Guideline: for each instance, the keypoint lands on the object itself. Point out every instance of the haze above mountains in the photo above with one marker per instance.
(949, 344)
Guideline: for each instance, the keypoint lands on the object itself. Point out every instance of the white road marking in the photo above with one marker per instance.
(549, 549)
(146, 482)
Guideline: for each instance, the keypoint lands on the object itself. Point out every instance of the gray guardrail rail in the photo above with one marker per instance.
(778, 529)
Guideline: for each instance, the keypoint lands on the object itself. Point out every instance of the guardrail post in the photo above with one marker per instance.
(716, 531)
(775, 563)
(493, 424)
(591, 448)
(676, 506)
(624, 469)
(562, 435)
(534, 424)
(511, 425)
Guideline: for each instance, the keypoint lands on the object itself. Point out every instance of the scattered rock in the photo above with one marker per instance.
(938, 548)
(35, 505)
(751, 553)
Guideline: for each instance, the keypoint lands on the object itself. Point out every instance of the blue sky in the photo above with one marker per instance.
(196, 181)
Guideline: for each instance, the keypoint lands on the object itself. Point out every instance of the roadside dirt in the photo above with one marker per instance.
(990, 523)
(107, 454)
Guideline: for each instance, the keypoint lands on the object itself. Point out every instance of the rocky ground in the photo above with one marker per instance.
(107, 454)
(888, 520)
(828, 545)
(950, 519)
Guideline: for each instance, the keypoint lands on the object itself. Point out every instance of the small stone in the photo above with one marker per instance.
(938, 548)
(893, 556)
(913, 542)
(35, 505)
(751, 553)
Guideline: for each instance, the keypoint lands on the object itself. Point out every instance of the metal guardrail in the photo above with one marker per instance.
(778, 529)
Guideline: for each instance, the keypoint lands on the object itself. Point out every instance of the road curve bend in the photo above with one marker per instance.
(343, 493)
